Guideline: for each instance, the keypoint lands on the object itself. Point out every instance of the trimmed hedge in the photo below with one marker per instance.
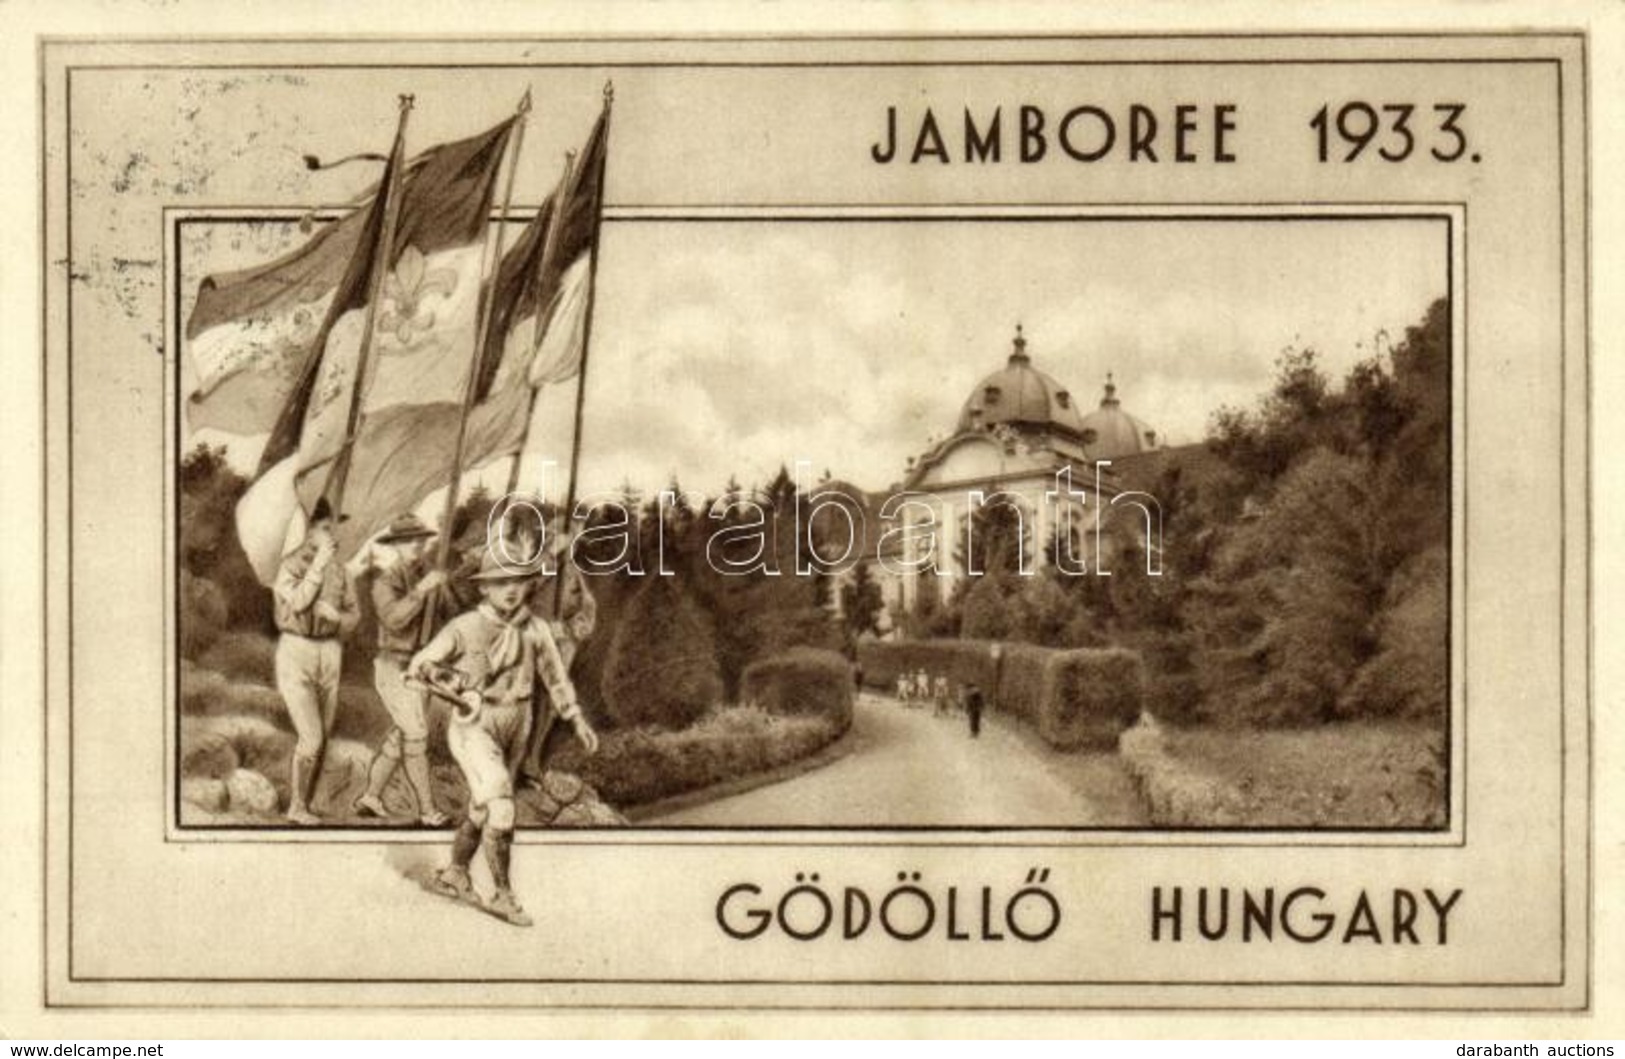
(1076, 699)
(1021, 681)
(636, 766)
(961, 661)
(1091, 696)
(801, 682)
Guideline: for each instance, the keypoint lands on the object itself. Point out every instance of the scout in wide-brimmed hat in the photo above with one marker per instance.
(495, 655)
(405, 528)
(400, 591)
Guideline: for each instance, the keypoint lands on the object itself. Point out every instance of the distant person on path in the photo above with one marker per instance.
(973, 708)
(904, 686)
(940, 695)
(922, 686)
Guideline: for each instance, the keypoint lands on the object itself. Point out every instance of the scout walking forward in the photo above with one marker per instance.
(315, 605)
(398, 595)
(489, 659)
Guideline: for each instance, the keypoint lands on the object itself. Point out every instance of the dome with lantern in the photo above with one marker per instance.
(1110, 432)
(1020, 395)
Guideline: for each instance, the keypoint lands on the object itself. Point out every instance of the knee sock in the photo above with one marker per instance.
(416, 763)
(498, 852)
(464, 843)
(384, 764)
(313, 775)
(300, 770)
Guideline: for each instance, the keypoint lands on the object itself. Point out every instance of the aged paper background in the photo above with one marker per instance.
(20, 735)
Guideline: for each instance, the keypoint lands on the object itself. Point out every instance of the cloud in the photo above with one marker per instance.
(732, 347)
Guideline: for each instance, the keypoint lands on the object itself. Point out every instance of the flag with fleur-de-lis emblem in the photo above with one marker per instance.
(423, 330)
(253, 333)
(403, 452)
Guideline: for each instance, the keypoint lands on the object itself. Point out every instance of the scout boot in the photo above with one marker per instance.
(453, 881)
(505, 906)
(299, 784)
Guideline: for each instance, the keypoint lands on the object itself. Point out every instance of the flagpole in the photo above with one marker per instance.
(586, 336)
(561, 199)
(340, 475)
(487, 304)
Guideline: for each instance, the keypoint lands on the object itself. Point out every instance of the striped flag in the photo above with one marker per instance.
(423, 329)
(403, 452)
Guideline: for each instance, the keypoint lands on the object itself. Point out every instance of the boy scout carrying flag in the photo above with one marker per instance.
(487, 661)
(399, 593)
(315, 606)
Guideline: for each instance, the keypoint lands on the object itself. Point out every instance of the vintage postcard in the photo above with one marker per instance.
(934, 523)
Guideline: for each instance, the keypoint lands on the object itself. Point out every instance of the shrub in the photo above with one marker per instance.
(635, 766)
(1090, 697)
(253, 744)
(1177, 794)
(242, 656)
(662, 667)
(1410, 674)
(205, 693)
(1042, 612)
(988, 611)
(202, 613)
(1172, 691)
(803, 681)
(208, 543)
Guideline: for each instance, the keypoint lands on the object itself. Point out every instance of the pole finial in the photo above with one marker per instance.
(406, 100)
(609, 93)
(524, 102)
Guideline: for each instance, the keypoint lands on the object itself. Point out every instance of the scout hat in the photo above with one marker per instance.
(494, 568)
(405, 527)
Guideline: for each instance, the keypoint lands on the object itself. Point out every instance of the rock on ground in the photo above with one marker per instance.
(210, 795)
(565, 800)
(248, 791)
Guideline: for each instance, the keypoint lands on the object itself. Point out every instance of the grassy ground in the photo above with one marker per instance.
(1099, 778)
(1360, 774)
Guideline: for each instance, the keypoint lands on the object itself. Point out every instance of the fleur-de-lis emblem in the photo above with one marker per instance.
(405, 290)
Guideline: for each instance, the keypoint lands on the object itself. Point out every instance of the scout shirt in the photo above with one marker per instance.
(501, 658)
(299, 586)
(399, 606)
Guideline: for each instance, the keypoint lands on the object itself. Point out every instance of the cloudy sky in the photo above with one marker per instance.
(729, 347)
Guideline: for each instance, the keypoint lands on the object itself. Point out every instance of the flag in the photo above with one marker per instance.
(530, 290)
(403, 453)
(423, 332)
(253, 333)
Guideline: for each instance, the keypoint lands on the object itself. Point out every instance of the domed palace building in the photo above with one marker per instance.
(1017, 430)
